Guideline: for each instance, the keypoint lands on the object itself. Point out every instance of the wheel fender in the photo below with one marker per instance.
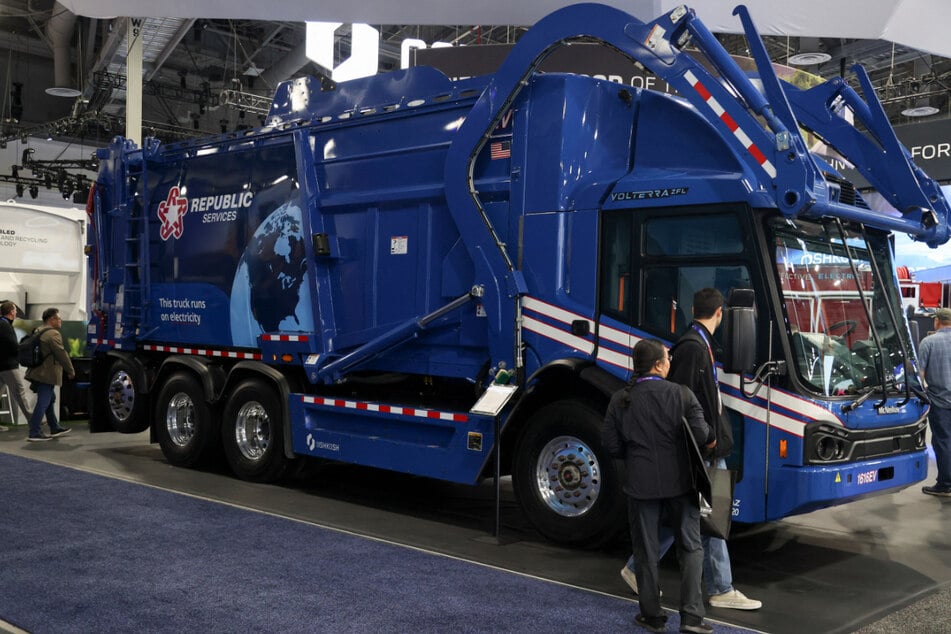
(211, 375)
(141, 374)
(585, 376)
(247, 369)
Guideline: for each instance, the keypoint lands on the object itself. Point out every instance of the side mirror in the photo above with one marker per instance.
(739, 332)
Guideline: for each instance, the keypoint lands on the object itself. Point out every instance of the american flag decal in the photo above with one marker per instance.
(500, 150)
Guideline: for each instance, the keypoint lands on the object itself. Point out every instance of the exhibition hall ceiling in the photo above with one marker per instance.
(211, 66)
(894, 20)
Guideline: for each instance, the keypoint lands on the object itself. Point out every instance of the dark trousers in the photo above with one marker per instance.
(940, 420)
(45, 405)
(683, 515)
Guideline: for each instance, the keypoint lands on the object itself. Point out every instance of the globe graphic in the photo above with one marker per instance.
(270, 291)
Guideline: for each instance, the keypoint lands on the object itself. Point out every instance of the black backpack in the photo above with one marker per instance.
(28, 351)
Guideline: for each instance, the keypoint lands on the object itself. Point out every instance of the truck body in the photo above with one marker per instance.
(346, 282)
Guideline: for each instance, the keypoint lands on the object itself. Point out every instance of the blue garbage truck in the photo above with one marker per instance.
(348, 280)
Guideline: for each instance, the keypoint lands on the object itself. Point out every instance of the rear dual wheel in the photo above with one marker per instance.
(252, 432)
(185, 423)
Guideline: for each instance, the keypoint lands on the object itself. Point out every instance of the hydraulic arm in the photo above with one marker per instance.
(763, 127)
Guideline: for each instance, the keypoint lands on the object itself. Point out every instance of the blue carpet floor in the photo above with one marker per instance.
(85, 553)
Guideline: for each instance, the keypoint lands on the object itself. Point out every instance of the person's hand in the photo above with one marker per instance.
(712, 444)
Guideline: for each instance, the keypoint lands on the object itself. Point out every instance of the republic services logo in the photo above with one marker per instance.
(171, 212)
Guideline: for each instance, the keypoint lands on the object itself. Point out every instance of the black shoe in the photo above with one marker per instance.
(944, 492)
(652, 623)
(62, 431)
(40, 438)
(700, 628)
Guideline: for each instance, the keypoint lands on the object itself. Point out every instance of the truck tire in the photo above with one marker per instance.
(126, 404)
(185, 426)
(252, 433)
(566, 484)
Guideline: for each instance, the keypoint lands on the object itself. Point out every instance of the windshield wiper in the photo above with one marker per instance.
(890, 382)
(868, 313)
(891, 315)
(865, 393)
(922, 396)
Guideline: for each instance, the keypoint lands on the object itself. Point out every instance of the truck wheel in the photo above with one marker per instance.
(252, 433)
(568, 487)
(125, 402)
(184, 423)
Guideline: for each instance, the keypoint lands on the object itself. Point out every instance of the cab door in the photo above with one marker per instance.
(653, 261)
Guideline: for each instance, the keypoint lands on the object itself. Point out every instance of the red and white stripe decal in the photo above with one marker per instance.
(731, 124)
(555, 333)
(300, 338)
(203, 352)
(623, 360)
(103, 342)
(559, 335)
(386, 409)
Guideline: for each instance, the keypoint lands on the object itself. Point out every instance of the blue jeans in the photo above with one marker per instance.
(45, 404)
(940, 420)
(717, 573)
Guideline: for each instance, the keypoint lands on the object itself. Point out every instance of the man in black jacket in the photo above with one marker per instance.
(9, 366)
(692, 365)
(643, 425)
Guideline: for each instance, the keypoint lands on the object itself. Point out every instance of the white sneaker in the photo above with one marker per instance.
(734, 600)
(628, 575)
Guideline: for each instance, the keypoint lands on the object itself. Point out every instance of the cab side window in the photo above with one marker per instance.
(616, 261)
(682, 254)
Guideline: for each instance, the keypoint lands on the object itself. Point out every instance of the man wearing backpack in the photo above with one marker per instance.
(9, 366)
(47, 375)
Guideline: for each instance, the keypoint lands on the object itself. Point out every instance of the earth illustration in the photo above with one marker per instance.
(270, 292)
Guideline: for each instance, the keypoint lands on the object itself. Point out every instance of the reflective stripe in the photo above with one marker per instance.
(300, 338)
(386, 409)
(202, 352)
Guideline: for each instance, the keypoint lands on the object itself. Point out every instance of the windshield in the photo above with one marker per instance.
(834, 345)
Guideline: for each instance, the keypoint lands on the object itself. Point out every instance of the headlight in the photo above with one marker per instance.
(829, 448)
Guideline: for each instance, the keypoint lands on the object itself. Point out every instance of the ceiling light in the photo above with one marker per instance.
(920, 111)
(62, 91)
(809, 59)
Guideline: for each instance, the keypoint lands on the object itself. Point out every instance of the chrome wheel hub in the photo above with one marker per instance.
(252, 430)
(180, 419)
(568, 476)
(121, 396)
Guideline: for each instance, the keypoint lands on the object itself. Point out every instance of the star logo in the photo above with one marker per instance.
(171, 212)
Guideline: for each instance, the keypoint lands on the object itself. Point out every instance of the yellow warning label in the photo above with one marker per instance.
(838, 477)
